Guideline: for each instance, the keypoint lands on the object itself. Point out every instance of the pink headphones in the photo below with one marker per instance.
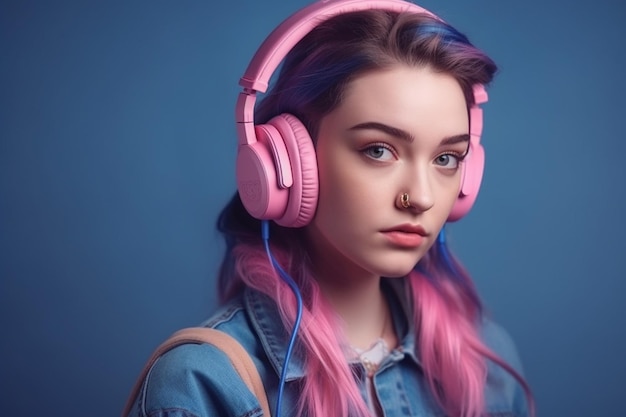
(276, 164)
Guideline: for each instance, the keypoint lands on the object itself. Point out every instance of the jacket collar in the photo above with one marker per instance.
(267, 323)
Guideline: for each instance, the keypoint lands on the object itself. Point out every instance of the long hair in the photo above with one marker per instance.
(446, 306)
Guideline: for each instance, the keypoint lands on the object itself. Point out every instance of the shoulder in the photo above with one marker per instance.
(198, 379)
(498, 339)
(503, 391)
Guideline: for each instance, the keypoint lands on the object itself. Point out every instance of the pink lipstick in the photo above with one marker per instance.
(405, 235)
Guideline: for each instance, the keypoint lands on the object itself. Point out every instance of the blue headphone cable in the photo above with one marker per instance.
(265, 233)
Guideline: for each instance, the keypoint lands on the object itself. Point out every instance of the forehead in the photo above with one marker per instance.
(416, 99)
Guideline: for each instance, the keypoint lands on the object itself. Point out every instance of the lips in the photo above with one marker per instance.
(405, 235)
(407, 228)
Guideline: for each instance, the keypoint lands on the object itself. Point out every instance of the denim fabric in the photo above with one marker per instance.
(198, 381)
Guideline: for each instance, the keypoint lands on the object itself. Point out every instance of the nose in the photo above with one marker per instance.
(420, 190)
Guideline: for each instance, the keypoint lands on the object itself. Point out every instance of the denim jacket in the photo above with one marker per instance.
(197, 380)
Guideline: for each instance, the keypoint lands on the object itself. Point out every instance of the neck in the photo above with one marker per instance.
(360, 303)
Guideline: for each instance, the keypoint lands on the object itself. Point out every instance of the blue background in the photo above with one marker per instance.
(116, 154)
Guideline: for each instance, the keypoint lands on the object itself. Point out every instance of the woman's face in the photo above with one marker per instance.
(401, 130)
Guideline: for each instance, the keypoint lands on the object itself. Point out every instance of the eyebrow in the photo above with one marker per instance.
(404, 135)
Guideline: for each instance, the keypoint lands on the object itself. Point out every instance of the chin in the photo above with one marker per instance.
(397, 270)
(397, 266)
(397, 273)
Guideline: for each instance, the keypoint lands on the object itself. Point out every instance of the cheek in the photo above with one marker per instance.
(447, 195)
(344, 190)
(335, 189)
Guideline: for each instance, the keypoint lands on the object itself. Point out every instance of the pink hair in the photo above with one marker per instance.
(451, 350)
(319, 333)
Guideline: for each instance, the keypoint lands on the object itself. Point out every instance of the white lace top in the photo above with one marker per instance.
(371, 359)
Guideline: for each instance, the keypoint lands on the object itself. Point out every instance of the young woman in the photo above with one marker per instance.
(354, 160)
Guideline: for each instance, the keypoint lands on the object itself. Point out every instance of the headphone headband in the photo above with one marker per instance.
(283, 38)
(286, 35)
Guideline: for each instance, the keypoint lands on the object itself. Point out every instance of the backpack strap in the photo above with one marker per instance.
(238, 356)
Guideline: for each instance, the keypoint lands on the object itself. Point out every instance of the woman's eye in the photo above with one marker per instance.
(378, 152)
(448, 160)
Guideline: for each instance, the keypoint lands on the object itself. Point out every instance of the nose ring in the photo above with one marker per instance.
(405, 201)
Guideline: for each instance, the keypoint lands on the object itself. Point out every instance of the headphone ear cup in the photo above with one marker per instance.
(303, 194)
(474, 166)
(257, 179)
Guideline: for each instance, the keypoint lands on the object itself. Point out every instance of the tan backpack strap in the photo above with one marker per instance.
(238, 356)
